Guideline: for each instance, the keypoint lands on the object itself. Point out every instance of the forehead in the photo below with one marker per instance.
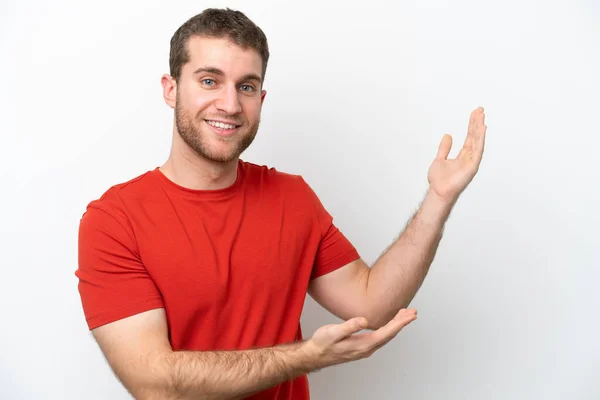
(223, 54)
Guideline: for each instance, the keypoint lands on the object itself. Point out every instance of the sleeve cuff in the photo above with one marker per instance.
(124, 312)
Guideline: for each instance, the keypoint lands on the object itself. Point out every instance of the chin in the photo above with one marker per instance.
(217, 149)
(220, 155)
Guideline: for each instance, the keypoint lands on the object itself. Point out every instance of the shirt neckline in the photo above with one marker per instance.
(196, 194)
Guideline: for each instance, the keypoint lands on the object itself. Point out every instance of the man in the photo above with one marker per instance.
(193, 275)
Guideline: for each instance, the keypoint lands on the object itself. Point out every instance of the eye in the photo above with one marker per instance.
(208, 82)
(247, 88)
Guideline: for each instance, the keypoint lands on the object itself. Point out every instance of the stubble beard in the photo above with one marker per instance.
(197, 140)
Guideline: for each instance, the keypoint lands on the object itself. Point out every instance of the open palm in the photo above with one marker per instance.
(449, 177)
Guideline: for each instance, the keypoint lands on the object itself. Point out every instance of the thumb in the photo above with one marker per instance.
(444, 148)
(349, 327)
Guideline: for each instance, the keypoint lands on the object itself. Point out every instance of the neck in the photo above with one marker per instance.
(190, 170)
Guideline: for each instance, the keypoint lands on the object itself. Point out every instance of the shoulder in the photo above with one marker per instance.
(292, 188)
(269, 176)
(112, 203)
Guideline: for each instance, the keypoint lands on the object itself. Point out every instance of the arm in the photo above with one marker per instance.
(393, 281)
(138, 351)
(399, 273)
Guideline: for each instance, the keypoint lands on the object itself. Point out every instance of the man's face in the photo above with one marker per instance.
(219, 98)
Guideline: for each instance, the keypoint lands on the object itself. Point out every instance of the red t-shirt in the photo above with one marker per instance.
(231, 267)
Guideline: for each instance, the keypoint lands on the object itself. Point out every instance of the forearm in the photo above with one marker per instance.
(228, 374)
(397, 275)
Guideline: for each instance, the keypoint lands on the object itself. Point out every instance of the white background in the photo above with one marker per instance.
(359, 96)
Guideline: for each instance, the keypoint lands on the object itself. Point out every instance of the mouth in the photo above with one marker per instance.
(222, 128)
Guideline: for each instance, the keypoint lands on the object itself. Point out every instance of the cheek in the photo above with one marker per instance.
(195, 102)
(252, 108)
(201, 103)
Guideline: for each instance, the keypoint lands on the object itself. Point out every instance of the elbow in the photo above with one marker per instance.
(170, 384)
(376, 320)
(155, 391)
(380, 316)
(156, 381)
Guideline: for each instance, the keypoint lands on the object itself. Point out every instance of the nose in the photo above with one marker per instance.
(228, 101)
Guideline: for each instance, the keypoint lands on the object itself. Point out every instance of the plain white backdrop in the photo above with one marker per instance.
(359, 95)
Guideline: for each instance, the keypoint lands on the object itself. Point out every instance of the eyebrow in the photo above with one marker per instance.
(217, 71)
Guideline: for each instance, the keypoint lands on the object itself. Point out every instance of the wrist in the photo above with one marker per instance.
(434, 208)
(310, 357)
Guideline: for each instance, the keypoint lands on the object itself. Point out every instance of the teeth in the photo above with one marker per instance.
(220, 125)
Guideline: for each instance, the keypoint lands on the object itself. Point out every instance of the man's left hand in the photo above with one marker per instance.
(449, 177)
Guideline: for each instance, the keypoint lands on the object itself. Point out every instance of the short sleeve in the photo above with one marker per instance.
(113, 282)
(335, 250)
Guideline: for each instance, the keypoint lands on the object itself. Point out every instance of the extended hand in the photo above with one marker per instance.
(448, 178)
(337, 344)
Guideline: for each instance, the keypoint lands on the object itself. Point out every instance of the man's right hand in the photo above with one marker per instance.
(337, 344)
(139, 351)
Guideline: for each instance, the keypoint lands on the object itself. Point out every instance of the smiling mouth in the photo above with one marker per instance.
(221, 125)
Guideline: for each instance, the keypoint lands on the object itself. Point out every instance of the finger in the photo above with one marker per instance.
(480, 135)
(444, 147)
(480, 140)
(348, 328)
(472, 130)
(395, 325)
(475, 114)
(471, 123)
(471, 126)
(476, 137)
(400, 314)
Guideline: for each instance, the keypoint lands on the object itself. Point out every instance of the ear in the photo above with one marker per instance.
(169, 86)
(262, 96)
